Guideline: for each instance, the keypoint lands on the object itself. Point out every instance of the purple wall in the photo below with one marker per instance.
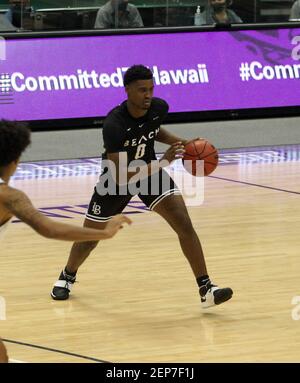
(73, 77)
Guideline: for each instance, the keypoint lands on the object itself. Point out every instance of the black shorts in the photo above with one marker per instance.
(151, 191)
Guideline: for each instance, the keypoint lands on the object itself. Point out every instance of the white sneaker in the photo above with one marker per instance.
(62, 288)
(212, 295)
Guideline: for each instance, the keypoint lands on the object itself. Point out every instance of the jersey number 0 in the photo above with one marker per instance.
(140, 151)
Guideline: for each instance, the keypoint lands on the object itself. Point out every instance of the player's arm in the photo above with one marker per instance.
(113, 137)
(165, 137)
(125, 173)
(19, 205)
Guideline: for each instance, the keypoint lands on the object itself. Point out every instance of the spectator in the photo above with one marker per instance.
(118, 14)
(295, 11)
(9, 14)
(5, 23)
(12, 20)
(218, 12)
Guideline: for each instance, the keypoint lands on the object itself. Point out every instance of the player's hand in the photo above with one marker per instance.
(175, 151)
(116, 223)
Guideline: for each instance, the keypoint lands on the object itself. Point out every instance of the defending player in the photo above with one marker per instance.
(14, 139)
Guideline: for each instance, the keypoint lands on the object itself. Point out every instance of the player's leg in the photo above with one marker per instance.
(81, 250)
(173, 210)
(170, 205)
(78, 254)
(100, 210)
(3, 353)
(165, 198)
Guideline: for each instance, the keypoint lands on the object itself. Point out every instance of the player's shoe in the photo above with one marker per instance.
(62, 288)
(212, 295)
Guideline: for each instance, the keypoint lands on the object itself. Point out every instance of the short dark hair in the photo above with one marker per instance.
(14, 139)
(137, 72)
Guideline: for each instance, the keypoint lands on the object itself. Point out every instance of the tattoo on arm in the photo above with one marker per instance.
(20, 205)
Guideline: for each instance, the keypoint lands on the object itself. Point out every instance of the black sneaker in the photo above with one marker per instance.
(62, 288)
(212, 295)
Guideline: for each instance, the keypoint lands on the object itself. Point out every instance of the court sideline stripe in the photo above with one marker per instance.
(257, 185)
(54, 350)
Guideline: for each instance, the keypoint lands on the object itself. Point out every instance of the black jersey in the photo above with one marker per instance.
(136, 136)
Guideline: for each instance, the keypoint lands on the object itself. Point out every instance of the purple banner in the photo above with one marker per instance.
(77, 77)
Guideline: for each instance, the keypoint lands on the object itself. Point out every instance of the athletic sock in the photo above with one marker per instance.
(69, 274)
(202, 281)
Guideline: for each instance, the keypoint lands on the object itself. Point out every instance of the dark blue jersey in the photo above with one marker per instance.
(136, 136)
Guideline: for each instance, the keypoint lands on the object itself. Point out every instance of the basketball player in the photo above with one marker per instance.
(14, 139)
(131, 129)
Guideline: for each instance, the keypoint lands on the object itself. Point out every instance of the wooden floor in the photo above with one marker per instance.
(136, 298)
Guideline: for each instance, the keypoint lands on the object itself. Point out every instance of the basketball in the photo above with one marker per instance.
(200, 149)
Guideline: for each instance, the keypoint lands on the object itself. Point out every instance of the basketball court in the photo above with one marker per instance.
(136, 299)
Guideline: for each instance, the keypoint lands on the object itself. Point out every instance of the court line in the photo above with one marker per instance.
(257, 185)
(54, 350)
